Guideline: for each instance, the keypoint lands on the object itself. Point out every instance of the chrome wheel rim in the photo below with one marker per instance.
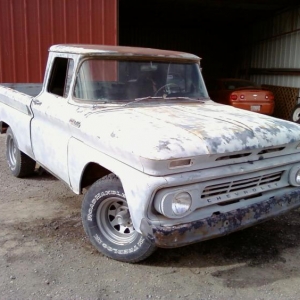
(12, 150)
(114, 221)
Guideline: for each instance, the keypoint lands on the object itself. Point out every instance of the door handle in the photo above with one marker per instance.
(37, 102)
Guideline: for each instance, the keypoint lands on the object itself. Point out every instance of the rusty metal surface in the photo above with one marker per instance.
(28, 28)
(116, 51)
(219, 225)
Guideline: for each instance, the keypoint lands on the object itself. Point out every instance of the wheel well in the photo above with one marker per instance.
(92, 173)
(3, 127)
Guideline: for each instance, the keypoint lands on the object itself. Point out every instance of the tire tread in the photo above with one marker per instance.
(113, 179)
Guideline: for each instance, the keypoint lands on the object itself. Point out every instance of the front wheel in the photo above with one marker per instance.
(107, 222)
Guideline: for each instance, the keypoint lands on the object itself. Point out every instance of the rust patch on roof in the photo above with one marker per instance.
(123, 51)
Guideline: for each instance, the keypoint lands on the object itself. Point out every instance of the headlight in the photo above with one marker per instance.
(175, 204)
(181, 203)
(297, 177)
(294, 176)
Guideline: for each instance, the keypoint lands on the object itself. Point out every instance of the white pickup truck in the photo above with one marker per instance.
(163, 164)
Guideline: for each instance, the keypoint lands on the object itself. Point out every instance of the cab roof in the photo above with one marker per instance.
(122, 51)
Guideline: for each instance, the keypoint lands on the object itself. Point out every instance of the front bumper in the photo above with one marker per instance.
(225, 223)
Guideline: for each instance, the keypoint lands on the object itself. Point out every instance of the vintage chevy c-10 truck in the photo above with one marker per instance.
(163, 165)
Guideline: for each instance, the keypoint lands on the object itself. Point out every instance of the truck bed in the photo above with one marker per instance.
(15, 111)
(31, 89)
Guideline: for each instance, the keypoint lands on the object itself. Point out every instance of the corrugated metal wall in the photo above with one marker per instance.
(278, 42)
(275, 59)
(276, 45)
(278, 80)
(29, 27)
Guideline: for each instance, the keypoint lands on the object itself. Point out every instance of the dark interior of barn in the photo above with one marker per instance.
(217, 31)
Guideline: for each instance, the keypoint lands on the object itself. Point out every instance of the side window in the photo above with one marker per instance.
(61, 76)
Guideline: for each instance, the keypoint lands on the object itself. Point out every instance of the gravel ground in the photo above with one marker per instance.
(44, 254)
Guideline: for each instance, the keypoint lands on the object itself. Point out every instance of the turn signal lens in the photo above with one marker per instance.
(269, 97)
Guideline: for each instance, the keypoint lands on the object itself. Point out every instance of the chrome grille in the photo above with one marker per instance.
(239, 185)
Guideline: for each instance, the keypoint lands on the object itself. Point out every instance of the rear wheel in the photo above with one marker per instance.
(107, 222)
(19, 163)
(296, 114)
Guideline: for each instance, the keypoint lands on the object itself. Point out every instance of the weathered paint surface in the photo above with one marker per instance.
(15, 110)
(186, 130)
(15, 99)
(139, 140)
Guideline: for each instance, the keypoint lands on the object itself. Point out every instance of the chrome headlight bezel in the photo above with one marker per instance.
(176, 204)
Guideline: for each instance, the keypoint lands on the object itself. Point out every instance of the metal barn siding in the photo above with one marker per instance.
(275, 58)
(29, 27)
(278, 53)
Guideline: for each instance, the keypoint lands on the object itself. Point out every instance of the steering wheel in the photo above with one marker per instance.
(166, 88)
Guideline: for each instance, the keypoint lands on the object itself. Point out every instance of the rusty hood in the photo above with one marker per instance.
(162, 132)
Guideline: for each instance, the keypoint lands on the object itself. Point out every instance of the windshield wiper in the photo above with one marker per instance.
(201, 100)
(141, 99)
(165, 99)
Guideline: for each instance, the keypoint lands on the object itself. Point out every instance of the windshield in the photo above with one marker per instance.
(109, 81)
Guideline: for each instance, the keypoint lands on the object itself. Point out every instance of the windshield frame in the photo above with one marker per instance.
(121, 60)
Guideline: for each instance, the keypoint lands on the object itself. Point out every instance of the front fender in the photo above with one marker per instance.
(138, 186)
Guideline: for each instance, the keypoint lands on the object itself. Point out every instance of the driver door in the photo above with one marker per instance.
(50, 132)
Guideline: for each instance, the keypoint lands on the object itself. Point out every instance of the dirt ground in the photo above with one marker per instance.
(44, 254)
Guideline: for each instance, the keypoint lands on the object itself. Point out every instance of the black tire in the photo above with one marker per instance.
(295, 117)
(103, 205)
(19, 163)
